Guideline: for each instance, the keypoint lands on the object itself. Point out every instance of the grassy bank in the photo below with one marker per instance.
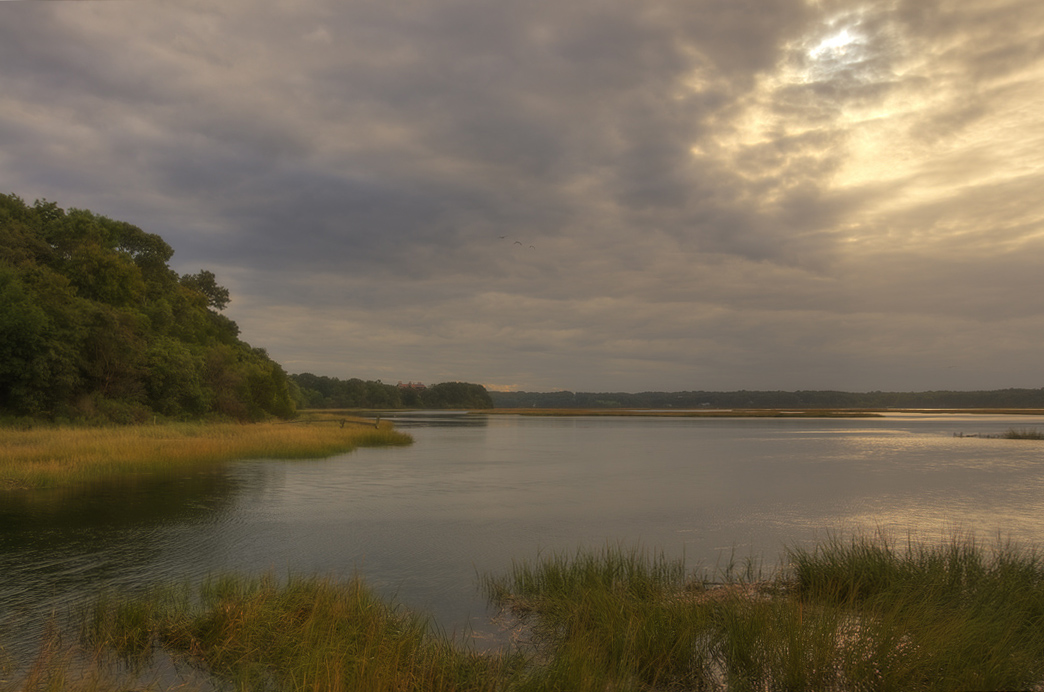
(55, 456)
(859, 615)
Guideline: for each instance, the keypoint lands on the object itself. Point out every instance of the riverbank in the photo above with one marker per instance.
(864, 614)
(665, 413)
(756, 412)
(42, 457)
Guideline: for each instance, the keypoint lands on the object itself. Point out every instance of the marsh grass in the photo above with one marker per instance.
(1023, 434)
(857, 615)
(304, 633)
(63, 666)
(863, 614)
(49, 457)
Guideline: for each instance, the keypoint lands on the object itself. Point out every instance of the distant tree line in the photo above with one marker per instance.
(318, 391)
(95, 326)
(1000, 398)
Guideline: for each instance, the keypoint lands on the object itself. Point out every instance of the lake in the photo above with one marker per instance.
(475, 492)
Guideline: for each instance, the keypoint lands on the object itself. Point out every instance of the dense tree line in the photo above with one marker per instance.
(94, 325)
(1000, 398)
(319, 391)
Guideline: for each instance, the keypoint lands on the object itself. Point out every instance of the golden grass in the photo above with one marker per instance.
(49, 457)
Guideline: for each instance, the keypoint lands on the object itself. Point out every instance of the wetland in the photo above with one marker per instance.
(479, 494)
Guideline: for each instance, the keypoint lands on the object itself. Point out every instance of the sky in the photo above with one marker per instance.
(588, 195)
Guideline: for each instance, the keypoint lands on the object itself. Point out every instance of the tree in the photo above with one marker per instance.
(206, 283)
(95, 326)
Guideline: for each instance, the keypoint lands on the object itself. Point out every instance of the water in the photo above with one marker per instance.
(473, 493)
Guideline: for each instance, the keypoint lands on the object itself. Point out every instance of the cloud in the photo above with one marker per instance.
(718, 193)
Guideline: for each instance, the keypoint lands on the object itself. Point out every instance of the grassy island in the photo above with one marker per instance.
(54, 456)
(858, 615)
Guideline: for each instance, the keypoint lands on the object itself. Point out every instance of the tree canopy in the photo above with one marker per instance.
(1000, 398)
(320, 391)
(94, 325)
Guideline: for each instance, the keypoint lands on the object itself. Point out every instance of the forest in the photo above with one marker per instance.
(96, 327)
(812, 399)
(317, 391)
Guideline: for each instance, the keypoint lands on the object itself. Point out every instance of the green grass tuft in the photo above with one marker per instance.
(861, 614)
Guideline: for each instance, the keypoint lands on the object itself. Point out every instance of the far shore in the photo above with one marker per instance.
(753, 412)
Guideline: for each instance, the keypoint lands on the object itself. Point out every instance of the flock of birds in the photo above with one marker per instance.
(519, 243)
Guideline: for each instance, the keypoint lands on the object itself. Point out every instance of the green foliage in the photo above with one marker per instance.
(94, 326)
(456, 395)
(1002, 398)
(862, 615)
(850, 616)
(318, 391)
(206, 283)
(304, 633)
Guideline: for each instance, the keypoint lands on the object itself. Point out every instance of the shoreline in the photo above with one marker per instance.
(60, 456)
(756, 412)
(847, 614)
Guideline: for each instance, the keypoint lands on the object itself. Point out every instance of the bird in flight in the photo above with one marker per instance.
(518, 242)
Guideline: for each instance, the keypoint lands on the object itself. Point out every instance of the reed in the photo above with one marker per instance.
(304, 633)
(863, 614)
(1023, 434)
(48, 457)
(957, 615)
(64, 666)
(857, 615)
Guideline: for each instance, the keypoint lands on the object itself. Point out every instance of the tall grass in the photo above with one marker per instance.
(48, 457)
(304, 634)
(960, 615)
(64, 666)
(864, 614)
(847, 615)
(1023, 434)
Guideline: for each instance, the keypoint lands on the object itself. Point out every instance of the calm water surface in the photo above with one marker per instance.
(475, 492)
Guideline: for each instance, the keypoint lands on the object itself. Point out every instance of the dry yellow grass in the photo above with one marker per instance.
(48, 457)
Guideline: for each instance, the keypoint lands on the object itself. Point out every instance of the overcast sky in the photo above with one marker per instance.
(593, 195)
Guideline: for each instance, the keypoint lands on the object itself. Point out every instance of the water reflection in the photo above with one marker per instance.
(59, 545)
(455, 419)
(476, 492)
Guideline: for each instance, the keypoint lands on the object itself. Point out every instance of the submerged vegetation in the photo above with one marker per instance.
(54, 456)
(1010, 434)
(1023, 434)
(863, 614)
(305, 633)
